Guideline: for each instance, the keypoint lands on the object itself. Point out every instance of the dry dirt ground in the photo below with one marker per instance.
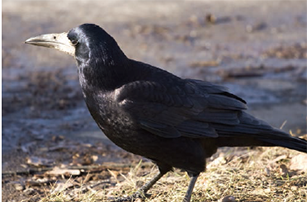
(256, 48)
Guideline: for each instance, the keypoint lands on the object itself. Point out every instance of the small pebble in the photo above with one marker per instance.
(268, 190)
(283, 169)
(210, 18)
(228, 199)
(267, 171)
(19, 187)
(294, 188)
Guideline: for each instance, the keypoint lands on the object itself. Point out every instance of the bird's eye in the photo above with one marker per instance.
(54, 37)
(74, 42)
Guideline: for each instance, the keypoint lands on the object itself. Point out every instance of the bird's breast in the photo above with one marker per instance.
(110, 117)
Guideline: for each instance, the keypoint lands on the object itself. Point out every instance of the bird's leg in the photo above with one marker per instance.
(142, 191)
(188, 194)
(149, 184)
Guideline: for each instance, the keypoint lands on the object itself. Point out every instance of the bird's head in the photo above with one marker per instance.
(100, 60)
(87, 43)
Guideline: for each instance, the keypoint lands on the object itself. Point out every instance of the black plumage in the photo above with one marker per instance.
(150, 112)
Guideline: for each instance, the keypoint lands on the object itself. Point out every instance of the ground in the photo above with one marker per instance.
(256, 49)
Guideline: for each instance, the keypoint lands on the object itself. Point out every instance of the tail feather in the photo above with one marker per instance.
(265, 137)
(289, 142)
(254, 132)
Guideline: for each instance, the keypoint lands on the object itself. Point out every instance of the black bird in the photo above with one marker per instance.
(145, 110)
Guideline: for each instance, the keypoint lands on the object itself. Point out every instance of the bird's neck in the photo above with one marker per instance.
(104, 75)
(101, 65)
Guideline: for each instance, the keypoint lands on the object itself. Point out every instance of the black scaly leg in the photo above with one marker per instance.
(188, 194)
(142, 191)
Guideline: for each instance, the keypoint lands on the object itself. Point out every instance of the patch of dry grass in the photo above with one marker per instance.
(260, 174)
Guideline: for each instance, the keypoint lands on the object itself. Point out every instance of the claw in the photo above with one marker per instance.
(137, 195)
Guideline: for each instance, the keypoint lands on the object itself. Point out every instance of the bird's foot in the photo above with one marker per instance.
(137, 195)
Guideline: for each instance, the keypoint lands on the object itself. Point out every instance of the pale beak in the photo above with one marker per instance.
(56, 41)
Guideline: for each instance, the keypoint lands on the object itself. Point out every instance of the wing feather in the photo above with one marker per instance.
(187, 108)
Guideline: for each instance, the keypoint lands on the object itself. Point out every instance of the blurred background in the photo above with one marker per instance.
(258, 49)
